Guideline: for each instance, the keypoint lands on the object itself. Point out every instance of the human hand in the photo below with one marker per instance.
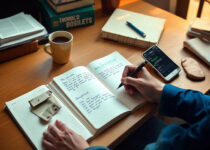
(149, 87)
(59, 136)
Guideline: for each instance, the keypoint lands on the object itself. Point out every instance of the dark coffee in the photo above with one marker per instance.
(60, 39)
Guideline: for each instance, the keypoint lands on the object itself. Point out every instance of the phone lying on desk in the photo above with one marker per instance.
(165, 67)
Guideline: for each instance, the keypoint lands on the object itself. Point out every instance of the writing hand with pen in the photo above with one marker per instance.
(143, 82)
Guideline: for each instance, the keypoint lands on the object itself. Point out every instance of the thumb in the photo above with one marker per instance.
(130, 81)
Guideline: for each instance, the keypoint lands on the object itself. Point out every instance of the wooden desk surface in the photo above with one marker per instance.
(23, 74)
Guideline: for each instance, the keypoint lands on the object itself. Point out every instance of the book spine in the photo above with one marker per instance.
(67, 21)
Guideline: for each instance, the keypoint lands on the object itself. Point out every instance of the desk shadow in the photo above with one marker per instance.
(53, 69)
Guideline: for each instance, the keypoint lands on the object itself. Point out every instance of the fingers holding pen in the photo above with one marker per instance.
(128, 69)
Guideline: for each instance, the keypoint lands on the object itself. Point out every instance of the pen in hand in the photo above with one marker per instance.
(136, 29)
(135, 72)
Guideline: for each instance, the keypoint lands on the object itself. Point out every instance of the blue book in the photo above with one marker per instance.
(66, 20)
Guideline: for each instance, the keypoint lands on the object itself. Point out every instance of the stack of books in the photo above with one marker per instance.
(19, 35)
(200, 28)
(66, 14)
(199, 44)
(19, 29)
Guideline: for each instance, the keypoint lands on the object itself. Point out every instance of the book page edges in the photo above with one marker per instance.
(125, 40)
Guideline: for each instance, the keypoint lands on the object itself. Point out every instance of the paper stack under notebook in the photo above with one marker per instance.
(66, 14)
(199, 44)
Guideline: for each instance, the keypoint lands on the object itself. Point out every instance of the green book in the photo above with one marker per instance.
(67, 20)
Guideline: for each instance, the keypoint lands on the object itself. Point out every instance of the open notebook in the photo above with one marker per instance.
(116, 28)
(89, 98)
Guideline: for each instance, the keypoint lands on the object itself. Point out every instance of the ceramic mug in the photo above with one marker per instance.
(59, 46)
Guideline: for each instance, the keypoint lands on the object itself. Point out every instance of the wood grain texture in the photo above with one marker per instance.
(25, 73)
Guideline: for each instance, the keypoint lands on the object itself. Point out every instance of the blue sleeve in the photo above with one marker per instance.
(178, 138)
(189, 105)
(97, 148)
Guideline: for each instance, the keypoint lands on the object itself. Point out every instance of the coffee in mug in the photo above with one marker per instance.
(59, 46)
(60, 39)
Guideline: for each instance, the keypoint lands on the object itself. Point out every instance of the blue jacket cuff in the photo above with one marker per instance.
(168, 100)
(97, 148)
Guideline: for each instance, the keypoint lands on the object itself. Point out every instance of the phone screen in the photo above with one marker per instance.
(160, 60)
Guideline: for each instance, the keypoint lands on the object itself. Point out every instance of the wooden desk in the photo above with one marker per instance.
(26, 73)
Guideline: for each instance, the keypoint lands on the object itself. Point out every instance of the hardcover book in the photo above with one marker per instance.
(57, 2)
(66, 20)
(66, 6)
(116, 28)
(199, 48)
(84, 109)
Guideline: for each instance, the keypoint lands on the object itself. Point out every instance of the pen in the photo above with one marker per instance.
(135, 72)
(136, 29)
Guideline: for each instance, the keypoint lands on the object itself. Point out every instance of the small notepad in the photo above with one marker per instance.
(116, 28)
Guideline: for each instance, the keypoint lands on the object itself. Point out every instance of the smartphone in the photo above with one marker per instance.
(165, 67)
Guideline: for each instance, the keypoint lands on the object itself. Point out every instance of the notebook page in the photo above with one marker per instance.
(32, 125)
(109, 70)
(98, 105)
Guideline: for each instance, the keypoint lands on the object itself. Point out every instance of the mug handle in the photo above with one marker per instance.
(46, 48)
